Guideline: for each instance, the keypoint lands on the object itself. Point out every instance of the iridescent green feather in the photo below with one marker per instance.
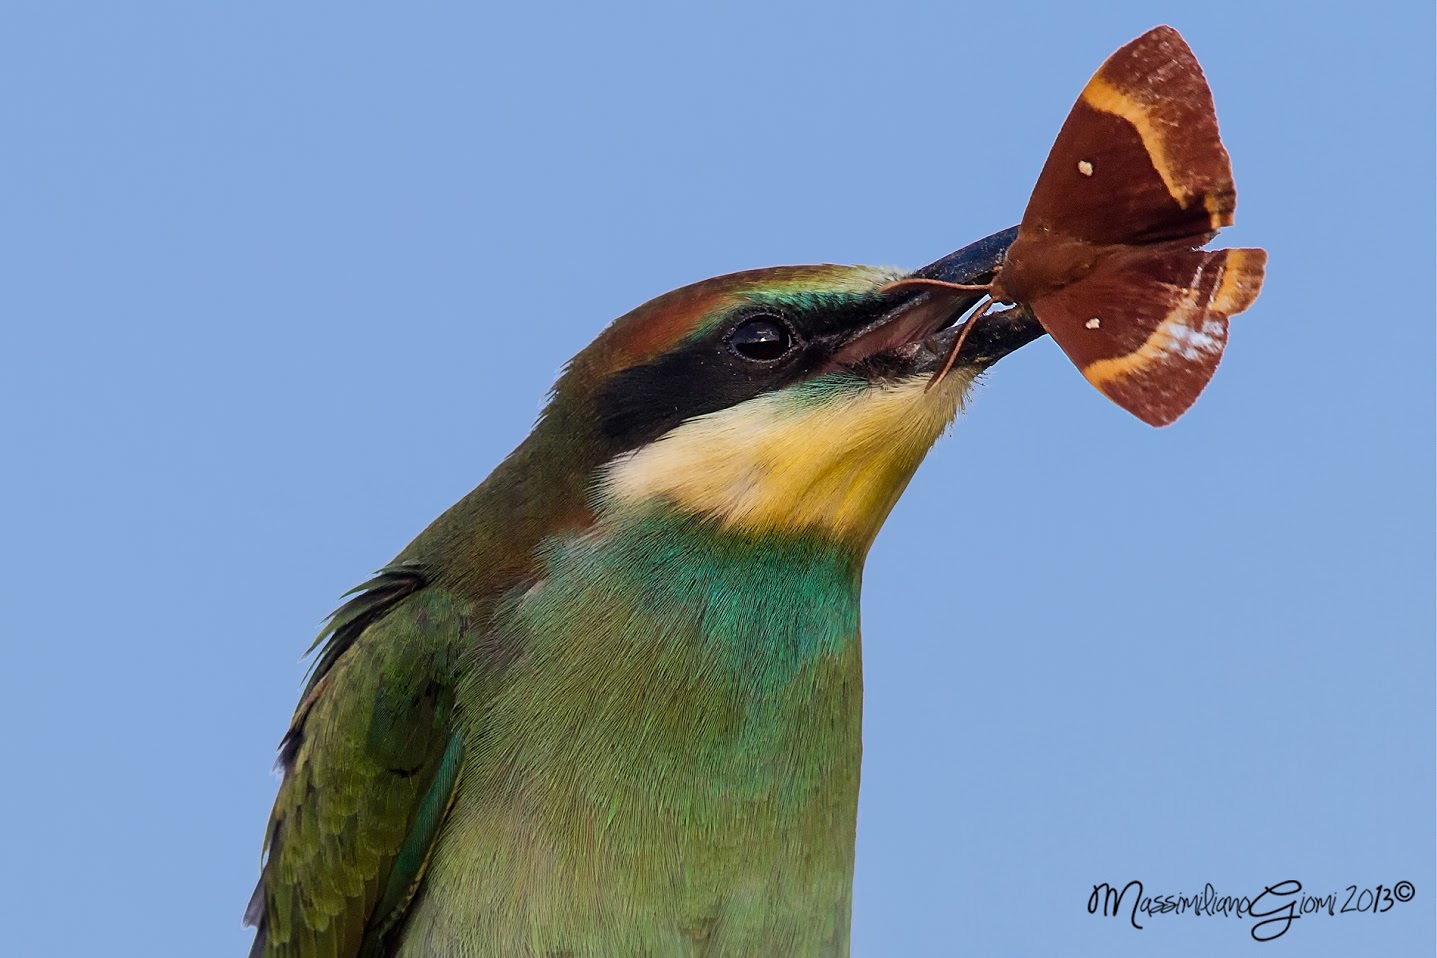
(367, 746)
(413, 856)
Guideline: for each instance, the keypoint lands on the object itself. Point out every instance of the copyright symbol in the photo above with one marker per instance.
(1403, 891)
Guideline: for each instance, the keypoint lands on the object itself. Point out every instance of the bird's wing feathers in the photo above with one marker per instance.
(370, 762)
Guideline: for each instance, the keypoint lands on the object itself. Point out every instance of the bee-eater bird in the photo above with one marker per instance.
(609, 703)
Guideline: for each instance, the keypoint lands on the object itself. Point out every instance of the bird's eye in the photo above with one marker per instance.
(762, 339)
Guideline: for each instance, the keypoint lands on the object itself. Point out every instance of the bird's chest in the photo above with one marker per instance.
(669, 766)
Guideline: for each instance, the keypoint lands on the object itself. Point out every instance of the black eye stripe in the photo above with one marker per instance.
(711, 372)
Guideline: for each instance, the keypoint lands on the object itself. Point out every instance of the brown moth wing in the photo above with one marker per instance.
(1148, 325)
(1138, 161)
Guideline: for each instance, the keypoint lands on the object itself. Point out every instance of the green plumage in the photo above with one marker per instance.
(662, 695)
(364, 748)
(670, 766)
(610, 705)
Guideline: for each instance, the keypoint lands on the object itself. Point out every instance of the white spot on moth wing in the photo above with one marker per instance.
(1085, 167)
(1093, 323)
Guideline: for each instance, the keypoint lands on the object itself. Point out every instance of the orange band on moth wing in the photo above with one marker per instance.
(1102, 95)
(1175, 334)
(1218, 213)
(1242, 276)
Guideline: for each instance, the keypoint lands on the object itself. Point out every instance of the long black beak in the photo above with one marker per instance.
(974, 263)
(997, 333)
(922, 327)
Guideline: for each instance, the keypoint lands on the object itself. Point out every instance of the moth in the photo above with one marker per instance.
(1107, 255)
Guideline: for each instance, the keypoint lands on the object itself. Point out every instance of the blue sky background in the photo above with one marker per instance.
(280, 284)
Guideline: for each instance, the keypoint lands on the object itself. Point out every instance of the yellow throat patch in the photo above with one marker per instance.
(795, 460)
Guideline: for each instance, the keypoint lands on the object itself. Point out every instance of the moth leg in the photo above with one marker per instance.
(978, 314)
(940, 283)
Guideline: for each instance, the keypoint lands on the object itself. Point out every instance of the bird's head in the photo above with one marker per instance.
(793, 399)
